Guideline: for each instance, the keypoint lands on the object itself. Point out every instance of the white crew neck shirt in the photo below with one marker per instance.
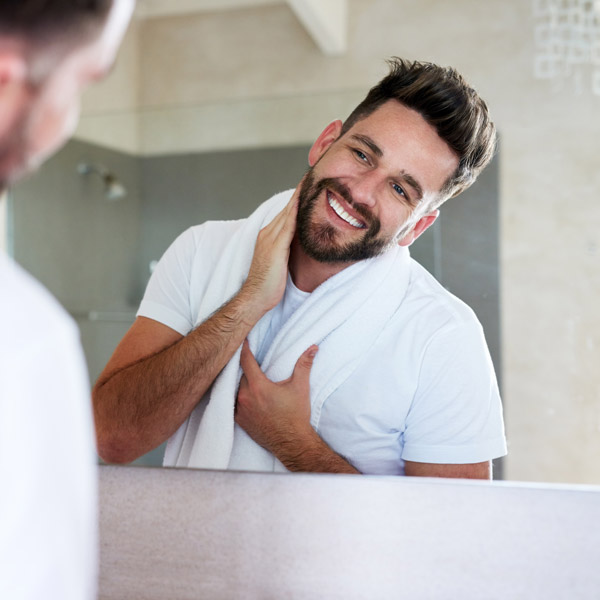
(293, 297)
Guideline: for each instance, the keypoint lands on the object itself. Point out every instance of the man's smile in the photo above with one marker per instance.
(342, 213)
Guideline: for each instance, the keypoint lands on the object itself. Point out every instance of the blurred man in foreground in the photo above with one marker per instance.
(49, 52)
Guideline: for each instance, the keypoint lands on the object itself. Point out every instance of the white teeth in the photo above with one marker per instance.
(340, 212)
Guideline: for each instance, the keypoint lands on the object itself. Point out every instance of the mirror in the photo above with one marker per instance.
(249, 80)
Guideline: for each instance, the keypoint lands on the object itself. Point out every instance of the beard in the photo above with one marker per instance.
(320, 240)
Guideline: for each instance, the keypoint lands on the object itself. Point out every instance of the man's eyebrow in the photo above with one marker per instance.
(413, 183)
(367, 141)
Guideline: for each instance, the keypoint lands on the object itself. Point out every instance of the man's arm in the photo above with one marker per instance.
(156, 376)
(482, 470)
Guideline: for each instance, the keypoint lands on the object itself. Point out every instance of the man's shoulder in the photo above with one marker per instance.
(215, 230)
(433, 302)
(27, 308)
(206, 242)
(220, 231)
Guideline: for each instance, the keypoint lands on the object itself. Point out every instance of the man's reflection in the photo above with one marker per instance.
(309, 326)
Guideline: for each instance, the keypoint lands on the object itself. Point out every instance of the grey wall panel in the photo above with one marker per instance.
(81, 246)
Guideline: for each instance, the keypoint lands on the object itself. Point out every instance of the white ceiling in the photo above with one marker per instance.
(326, 21)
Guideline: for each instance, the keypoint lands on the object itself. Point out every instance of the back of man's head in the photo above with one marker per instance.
(447, 102)
(51, 29)
(50, 50)
(41, 21)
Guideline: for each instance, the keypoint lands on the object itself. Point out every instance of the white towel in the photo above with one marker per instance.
(344, 316)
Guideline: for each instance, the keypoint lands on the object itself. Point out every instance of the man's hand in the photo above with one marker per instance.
(267, 277)
(277, 416)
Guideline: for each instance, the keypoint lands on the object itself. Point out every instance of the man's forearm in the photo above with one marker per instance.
(312, 455)
(143, 404)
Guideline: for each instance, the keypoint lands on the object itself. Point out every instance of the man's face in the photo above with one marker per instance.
(49, 111)
(366, 190)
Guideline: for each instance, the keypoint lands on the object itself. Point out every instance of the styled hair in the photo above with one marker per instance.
(40, 22)
(447, 102)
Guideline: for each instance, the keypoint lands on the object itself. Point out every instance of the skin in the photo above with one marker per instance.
(391, 164)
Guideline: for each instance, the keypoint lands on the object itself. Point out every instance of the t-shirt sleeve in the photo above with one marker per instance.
(456, 414)
(167, 296)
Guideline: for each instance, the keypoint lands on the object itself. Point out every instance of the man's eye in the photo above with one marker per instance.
(398, 189)
(361, 155)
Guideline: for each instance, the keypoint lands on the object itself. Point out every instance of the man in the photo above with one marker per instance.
(49, 52)
(402, 382)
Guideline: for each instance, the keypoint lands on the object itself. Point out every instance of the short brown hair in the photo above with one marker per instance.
(446, 101)
(40, 21)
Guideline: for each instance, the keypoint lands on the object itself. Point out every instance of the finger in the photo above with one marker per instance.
(295, 199)
(290, 208)
(279, 219)
(243, 385)
(248, 362)
(301, 374)
(288, 226)
(286, 219)
(292, 205)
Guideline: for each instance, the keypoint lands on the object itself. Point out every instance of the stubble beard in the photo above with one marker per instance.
(320, 240)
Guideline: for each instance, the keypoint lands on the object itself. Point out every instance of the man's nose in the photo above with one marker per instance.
(365, 190)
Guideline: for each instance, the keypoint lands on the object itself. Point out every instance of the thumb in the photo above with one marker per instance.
(304, 364)
(248, 362)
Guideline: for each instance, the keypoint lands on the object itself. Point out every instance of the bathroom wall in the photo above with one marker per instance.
(254, 77)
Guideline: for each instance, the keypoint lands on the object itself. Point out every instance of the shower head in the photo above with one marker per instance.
(113, 188)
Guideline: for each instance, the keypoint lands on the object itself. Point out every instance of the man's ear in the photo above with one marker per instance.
(424, 223)
(327, 137)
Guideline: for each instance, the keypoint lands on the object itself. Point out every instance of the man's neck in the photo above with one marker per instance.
(307, 273)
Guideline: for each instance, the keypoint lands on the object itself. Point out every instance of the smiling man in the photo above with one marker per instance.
(305, 338)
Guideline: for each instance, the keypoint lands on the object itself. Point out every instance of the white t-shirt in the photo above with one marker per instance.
(292, 299)
(426, 392)
(48, 472)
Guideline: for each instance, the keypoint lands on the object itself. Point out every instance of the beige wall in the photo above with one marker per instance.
(254, 77)
(110, 114)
